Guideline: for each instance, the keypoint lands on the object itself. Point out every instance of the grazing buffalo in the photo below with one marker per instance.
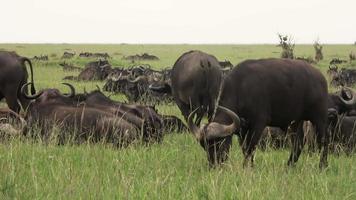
(50, 108)
(13, 75)
(267, 92)
(196, 80)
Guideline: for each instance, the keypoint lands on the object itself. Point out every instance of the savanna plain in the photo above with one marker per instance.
(175, 169)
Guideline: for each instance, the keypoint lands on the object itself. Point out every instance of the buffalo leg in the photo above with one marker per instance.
(184, 108)
(250, 142)
(324, 135)
(297, 144)
(11, 100)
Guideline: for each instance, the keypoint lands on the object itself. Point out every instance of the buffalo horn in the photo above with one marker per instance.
(350, 102)
(192, 127)
(30, 97)
(227, 129)
(72, 90)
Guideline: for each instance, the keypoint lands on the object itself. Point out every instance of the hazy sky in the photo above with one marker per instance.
(177, 21)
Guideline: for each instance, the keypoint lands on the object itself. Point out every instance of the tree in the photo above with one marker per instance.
(318, 51)
(287, 45)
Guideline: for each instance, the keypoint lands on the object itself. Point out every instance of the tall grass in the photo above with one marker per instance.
(175, 169)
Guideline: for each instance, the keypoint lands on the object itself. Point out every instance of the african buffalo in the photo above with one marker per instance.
(267, 92)
(196, 80)
(13, 75)
(96, 70)
(50, 109)
(343, 130)
(139, 115)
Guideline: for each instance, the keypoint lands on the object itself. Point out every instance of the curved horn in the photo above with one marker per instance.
(350, 102)
(194, 128)
(72, 90)
(138, 79)
(227, 129)
(30, 97)
(235, 120)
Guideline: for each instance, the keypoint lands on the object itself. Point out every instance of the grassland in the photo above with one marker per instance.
(176, 169)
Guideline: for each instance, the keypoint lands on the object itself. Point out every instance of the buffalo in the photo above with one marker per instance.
(196, 80)
(137, 82)
(144, 56)
(68, 55)
(12, 77)
(96, 70)
(343, 130)
(51, 109)
(139, 115)
(267, 92)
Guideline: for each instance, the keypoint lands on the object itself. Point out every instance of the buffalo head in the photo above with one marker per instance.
(48, 94)
(212, 136)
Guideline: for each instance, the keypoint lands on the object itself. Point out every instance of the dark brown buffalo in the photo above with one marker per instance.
(268, 92)
(97, 70)
(144, 56)
(52, 109)
(196, 80)
(159, 123)
(343, 131)
(13, 75)
(139, 115)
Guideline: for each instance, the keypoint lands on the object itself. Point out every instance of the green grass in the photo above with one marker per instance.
(176, 169)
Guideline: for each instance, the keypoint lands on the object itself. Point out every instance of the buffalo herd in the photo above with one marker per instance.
(287, 99)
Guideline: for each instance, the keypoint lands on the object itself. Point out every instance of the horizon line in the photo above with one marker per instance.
(127, 43)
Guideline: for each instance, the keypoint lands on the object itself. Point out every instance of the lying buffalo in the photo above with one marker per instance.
(343, 130)
(196, 79)
(136, 83)
(97, 70)
(159, 123)
(141, 116)
(51, 109)
(267, 92)
(13, 75)
(68, 55)
(144, 56)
